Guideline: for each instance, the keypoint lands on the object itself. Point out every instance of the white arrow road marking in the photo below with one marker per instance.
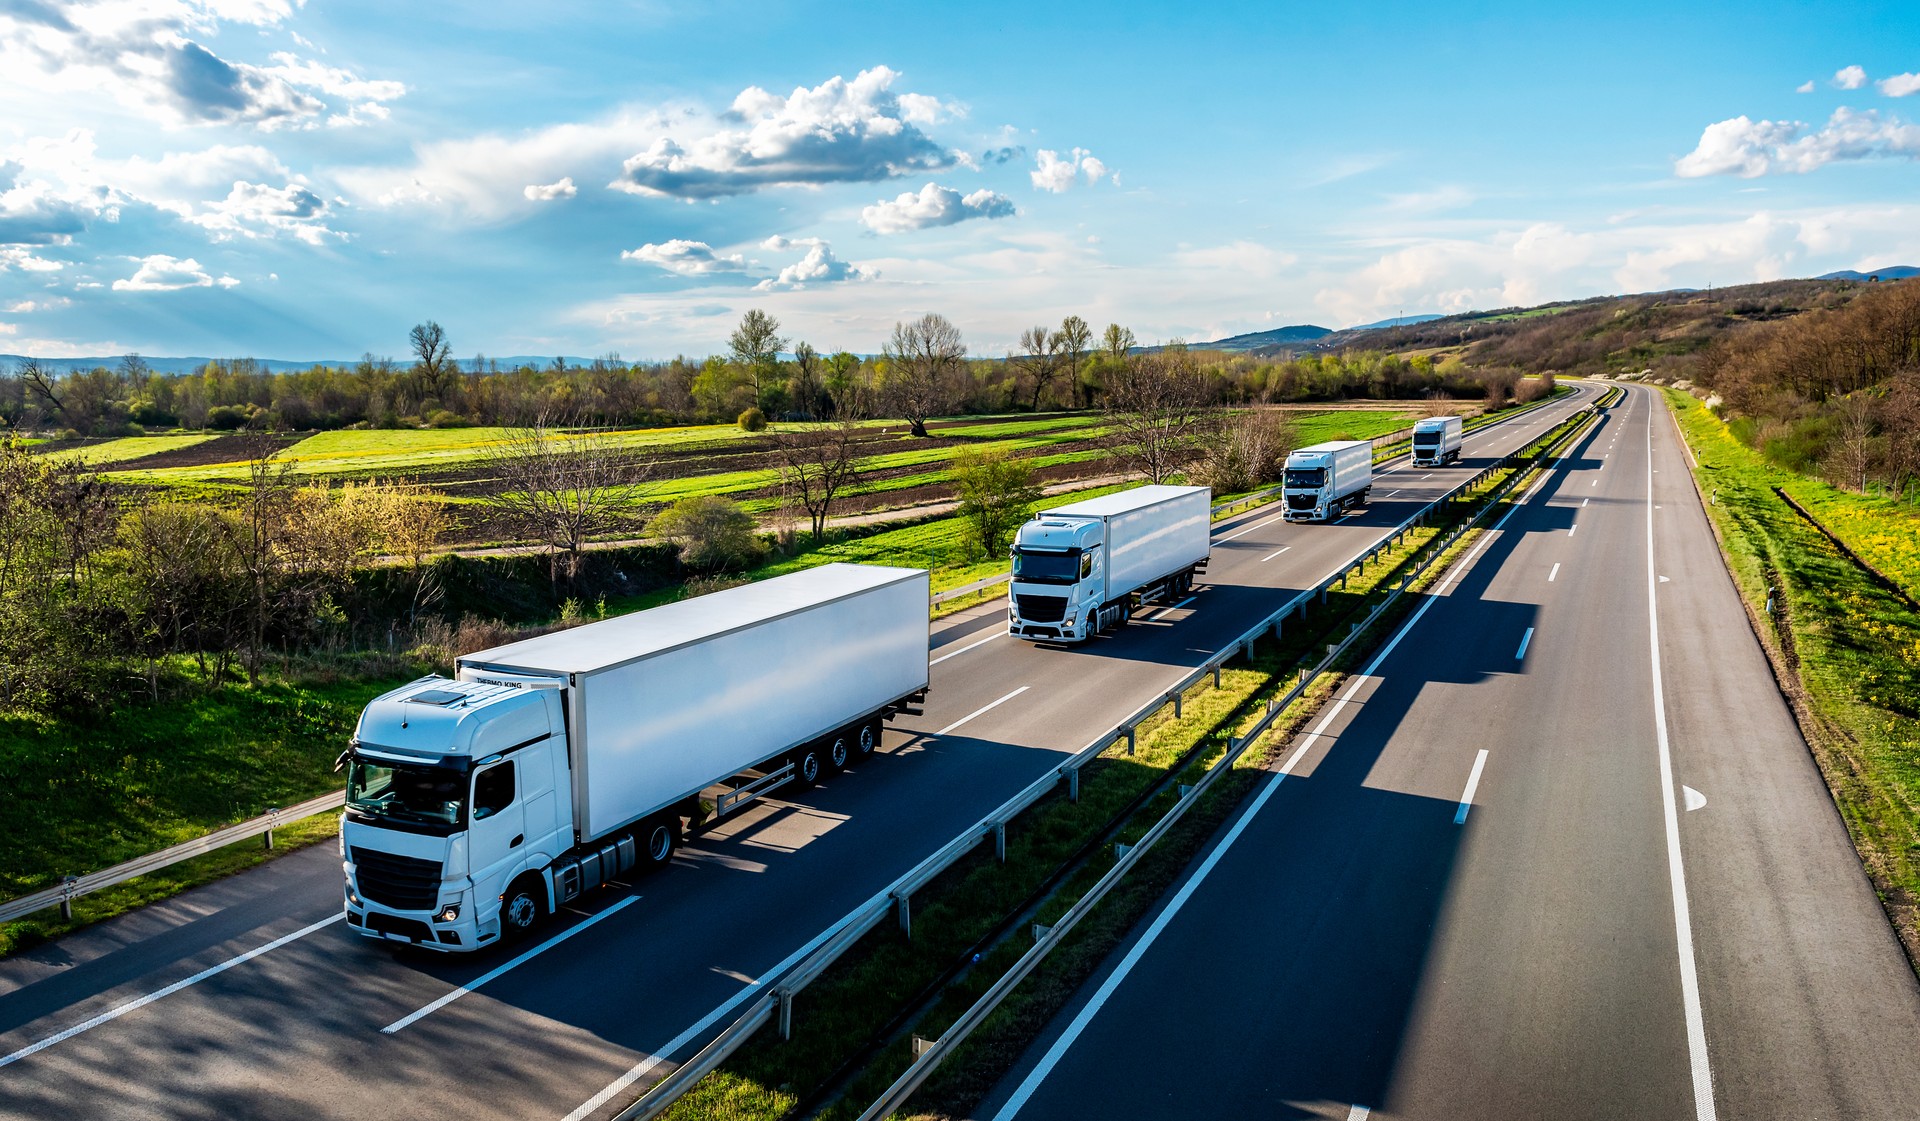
(1664, 579)
(1695, 799)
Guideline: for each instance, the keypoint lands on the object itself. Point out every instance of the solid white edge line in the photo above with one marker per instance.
(1521, 654)
(1079, 1024)
(982, 710)
(964, 649)
(1247, 530)
(141, 1002)
(1555, 572)
(1275, 553)
(1676, 873)
(1473, 783)
(429, 1009)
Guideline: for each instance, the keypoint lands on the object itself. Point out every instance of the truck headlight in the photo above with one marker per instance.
(449, 913)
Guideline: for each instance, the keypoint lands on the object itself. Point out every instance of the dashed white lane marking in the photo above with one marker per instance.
(1275, 553)
(430, 1009)
(1171, 608)
(1520, 655)
(1571, 528)
(1249, 529)
(141, 1002)
(1473, 783)
(983, 710)
(1555, 572)
(964, 649)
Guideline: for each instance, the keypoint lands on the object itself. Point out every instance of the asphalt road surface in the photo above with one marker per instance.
(248, 998)
(1561, 853)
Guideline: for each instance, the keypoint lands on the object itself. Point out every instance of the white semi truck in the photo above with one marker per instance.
(1322, 481)
(479, 804)
(1436, 440)
(1079, 570)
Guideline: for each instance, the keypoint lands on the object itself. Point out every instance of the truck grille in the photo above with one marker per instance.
(397, 881)
(1301, 501)
(1042, 609)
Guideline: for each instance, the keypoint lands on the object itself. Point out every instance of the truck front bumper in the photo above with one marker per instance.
(420, 928)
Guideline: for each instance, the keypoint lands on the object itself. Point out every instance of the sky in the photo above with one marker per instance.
(291, 180)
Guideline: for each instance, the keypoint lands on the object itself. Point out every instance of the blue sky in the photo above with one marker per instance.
(259, 177)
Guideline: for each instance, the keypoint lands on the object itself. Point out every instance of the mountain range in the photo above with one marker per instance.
(1891, 272)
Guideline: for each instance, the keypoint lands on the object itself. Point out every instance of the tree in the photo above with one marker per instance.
(922, 358)
(565, 488)
(1159, 406)
(1070, 343)
(186, 584)
(433, 361)
(997, 493)
(816, 463)
(806, 380)
(1038, 362)
(1116, 342)
(755, 346)
(1245, 452)
(711, 532)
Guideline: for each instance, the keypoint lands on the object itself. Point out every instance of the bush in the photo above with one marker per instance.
(1244, 453)
(712, 533)
(997, 493)
(753, 420)
(229, 417)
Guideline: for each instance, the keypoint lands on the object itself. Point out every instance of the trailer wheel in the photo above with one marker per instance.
(807, 765)
(658, 838)
(522, 909)
(838, 750)
(868, 739)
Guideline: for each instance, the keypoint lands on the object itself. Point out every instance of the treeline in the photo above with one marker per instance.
(1834, 392)
(1063, 367)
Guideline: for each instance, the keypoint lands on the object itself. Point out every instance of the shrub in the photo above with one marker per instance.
(712, 533)
(1245, 452)
(997, 493)
(753, 420)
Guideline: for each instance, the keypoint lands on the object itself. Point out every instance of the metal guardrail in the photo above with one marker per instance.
(73, 887)
(927, 1060)
(897, 897)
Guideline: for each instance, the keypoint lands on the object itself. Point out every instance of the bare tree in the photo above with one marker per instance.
(816, 464)
(923, 358)
(806, 380)
(565, 487)
(1900, 420)
(1853, 443)
(1038, 362)
(40, 382)
(1070, 343)
(1244, 452)
(433, 359)
(1159, 405)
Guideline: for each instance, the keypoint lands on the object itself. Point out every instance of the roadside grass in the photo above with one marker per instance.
(124, 449)
(1884, 532)
(1845, 648)
(842, 1013)
(136, 779)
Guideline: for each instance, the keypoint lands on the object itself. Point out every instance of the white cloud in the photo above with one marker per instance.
(162, 273)
(687, 258)
(1753, 148)
(19, 257)
(817, 266)
(1240, 258)
(933, 205)
(839, 131)
(1900, 85)
(1849, 78)
(49, 303)
(1056, 174)
(549, 192)
(144, 54)
(255, 210)
(1804, 87)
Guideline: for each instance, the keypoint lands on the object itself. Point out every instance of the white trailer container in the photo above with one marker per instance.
(1322, 481)
(476, 806)
(1437, 440)
(1079, 570)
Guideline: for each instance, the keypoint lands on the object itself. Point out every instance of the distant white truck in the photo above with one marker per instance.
(478, 805)
(1079, 570)
(1322, 481)
(1436, 440)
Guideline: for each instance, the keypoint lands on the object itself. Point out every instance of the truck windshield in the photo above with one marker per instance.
(1306, 476)
(1429, 437)
(407, 791)
(1046, 568)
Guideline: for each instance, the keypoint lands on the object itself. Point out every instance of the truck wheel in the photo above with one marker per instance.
(839, 749)
(807, 765)
(522, 909)
(868, 739)
(658, 837)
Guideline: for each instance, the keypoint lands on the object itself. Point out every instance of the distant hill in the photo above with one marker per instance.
(193, 365)
(1278, 337)
(1398, 321)
(1891, 272)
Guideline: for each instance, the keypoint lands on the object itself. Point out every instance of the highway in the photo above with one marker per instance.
(1559, 851)
(249, 998)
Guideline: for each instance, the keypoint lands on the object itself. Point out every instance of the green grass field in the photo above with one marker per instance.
(126, 448)
(1852, 646)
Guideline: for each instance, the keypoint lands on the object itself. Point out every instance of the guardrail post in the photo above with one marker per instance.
(1120, 850)
(1177, 699)
(1216, 671)
(1130, 730)
(1073, 785)
(1000, 840)
(1323, 593)
(273, 818)
(67, 885)
(904, 904)
(783, 999)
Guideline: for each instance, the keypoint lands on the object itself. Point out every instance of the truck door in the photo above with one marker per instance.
(498, 829)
